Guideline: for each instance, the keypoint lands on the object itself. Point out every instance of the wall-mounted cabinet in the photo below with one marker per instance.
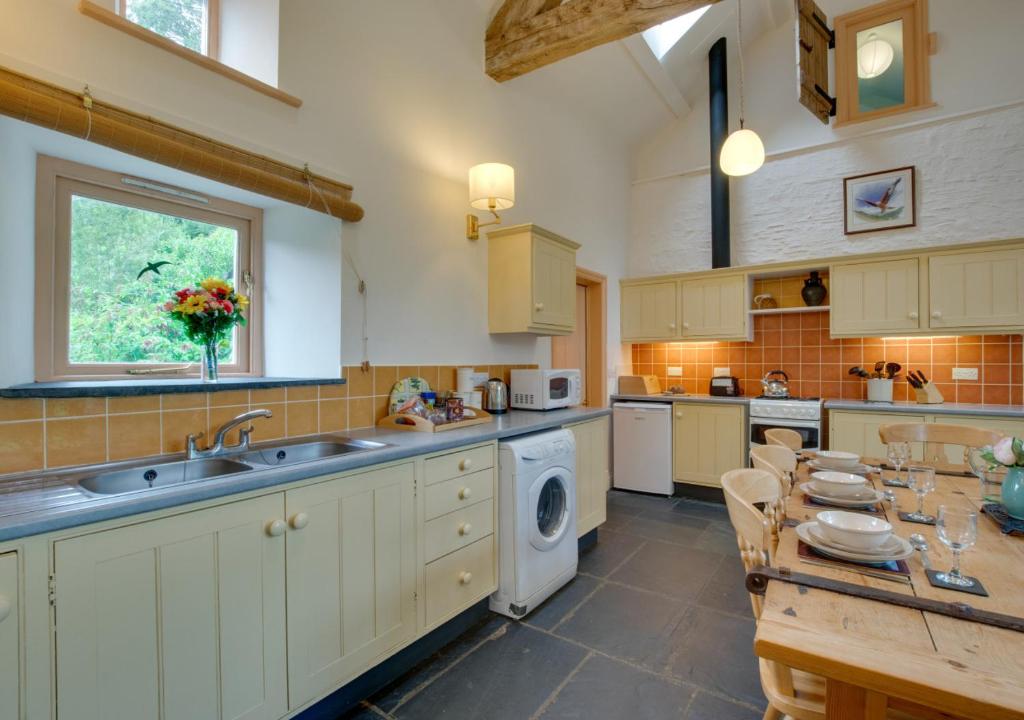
(650, 311)
(976, 289)
(714, 307)
(870, 298)
(531, 281)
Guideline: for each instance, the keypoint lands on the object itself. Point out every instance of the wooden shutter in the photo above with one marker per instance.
(812, 44)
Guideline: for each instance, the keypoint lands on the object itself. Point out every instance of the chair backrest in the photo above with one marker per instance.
(936, 436)
(756, 529)
(776, 459)
(785, 437)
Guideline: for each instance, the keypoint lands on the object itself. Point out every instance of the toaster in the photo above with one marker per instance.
(725, 386)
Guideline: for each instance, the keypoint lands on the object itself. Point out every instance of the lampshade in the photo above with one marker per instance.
(742, 153)
(873, 57)
(492, 184)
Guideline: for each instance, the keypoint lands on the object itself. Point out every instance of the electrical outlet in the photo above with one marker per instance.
(722, 372)
(675, 372)
(965, 373)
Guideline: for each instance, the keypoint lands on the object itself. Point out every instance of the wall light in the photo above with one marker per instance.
(873, 57)
(492, 187)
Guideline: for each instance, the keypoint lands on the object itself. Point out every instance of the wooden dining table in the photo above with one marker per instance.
(876, 655)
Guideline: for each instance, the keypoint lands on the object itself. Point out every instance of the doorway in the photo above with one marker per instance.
(585, 348)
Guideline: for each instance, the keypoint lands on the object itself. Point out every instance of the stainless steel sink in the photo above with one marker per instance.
(307, 451)
(148, 477)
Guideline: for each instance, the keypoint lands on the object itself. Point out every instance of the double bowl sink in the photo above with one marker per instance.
(169, 474)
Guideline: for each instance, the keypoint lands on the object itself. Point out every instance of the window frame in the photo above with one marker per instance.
(211, 27)
(917, 49)
(56, 181)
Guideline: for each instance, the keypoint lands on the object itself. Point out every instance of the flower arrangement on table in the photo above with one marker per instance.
(1009, 453)
(208, 314)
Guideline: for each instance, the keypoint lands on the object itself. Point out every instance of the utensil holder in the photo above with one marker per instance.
(929, 395)
(880, 390)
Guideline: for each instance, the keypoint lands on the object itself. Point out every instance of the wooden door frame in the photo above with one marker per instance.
(596, 381)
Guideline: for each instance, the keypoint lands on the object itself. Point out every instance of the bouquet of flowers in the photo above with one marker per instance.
(1008, 452)
(208, 314)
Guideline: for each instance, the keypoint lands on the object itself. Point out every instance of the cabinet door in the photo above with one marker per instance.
(554, 284)
(858, 432)
(174, 619)
(592, 479)
(351, 576)
(648, 312)
(10, 638)
(715, 307)
(875, 297)
(979, 289)
(1007, 426)
(708, 441)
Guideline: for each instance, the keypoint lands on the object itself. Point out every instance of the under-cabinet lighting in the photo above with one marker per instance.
(165, 189)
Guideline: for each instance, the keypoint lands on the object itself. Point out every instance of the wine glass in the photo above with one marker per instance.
(958, 530)
(921, 481)
(898, 453)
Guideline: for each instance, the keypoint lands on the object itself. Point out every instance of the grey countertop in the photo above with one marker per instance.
(43, 502)
(1008, 411)
(669, 398)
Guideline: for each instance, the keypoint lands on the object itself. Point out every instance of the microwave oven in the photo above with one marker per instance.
(545, 389)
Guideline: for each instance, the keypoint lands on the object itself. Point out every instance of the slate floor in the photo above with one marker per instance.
(656, 625)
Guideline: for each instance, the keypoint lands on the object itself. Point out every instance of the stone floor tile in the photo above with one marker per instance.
(635, 503)
(556, 607)
(665, 531)
(718, 537)
(609, 552)
(709, 707)
(664, 568)
(726, 591)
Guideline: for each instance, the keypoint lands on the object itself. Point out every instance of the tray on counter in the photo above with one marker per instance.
(415, 423)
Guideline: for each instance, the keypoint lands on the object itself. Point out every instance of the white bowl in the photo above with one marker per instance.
(837, 459)
(854, 530)
(838, 484)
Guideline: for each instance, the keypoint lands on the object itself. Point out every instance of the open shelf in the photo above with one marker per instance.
(790, 310)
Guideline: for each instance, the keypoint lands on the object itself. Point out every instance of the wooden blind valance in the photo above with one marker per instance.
(55, 108)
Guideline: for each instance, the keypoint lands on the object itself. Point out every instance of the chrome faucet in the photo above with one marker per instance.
(218, 448)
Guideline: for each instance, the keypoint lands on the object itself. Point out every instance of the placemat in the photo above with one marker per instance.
(893, 482)
(906, 517)
(896, 570)
(1008, 525)
(976, 589)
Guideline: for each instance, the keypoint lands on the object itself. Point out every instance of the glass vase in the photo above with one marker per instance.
(210, 373)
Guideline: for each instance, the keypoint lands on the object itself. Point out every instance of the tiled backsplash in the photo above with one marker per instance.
(818, 365)
(38, 434)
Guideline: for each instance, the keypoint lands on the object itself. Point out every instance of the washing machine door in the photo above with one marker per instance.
(552, 504)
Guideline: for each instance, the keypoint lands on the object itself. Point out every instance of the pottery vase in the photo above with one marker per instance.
(1013, 492)
(813, 291)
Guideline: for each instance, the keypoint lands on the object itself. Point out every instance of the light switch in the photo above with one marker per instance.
(675, 372)
(965, 373)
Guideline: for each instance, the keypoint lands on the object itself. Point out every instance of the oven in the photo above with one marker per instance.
(802, 416)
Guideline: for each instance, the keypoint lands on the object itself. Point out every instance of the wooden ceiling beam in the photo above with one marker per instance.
(528, 34)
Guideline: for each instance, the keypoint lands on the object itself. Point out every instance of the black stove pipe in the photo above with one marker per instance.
(718, 97)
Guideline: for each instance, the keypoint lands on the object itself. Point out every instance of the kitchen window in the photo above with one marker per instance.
(193, 24)
(99, 310)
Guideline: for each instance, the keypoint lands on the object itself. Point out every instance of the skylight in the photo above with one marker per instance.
(661, 38)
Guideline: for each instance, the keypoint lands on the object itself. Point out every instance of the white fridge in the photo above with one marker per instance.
(642, 437)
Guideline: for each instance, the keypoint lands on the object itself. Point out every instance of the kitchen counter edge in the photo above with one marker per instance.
(708, 399)
(402, 445)
(968, 409)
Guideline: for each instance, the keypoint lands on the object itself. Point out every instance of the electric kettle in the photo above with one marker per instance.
(775, 387)
(496, 396)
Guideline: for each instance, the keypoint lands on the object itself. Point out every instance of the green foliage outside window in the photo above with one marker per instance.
(177, 20)
(117, 317)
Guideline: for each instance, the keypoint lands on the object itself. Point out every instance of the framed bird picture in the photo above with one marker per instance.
(880, 201)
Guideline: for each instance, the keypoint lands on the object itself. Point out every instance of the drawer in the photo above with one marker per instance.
(450, 495)
(458, 463)
(454, 530)
(456, 581)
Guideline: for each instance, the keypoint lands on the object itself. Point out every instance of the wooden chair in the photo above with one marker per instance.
(936, 437)
(787, 438)
(776, 459)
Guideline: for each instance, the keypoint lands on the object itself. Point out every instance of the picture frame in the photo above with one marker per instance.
(878, 201)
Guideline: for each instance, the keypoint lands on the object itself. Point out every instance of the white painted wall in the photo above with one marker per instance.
(967, 150)
(302, 249)
(396, 102)
(248, 37)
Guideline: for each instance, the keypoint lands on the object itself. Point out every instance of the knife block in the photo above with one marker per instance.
(929, 395)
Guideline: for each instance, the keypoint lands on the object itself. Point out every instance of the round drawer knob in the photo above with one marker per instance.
(464, 493)
(465, 464)
(913, 315)
(276, 528)
(671, 326)
(539, 306)
(465, 578)
(5, 608)
(936, 314)
(465, 529)
(686, 326)
(679, 415)
(299, 521)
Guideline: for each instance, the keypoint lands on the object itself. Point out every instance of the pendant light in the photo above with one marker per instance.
(743, 151)
(874, 57)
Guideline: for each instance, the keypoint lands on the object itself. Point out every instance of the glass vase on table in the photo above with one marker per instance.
(957, 528)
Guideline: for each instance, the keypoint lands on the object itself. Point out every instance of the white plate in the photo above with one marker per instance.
(891, 546)
(803, 531)
(867, 499)
(858, 469)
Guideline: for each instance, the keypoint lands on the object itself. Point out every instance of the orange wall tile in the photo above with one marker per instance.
(818, 365)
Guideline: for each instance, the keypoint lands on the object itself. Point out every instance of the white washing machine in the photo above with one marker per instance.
(536, 520)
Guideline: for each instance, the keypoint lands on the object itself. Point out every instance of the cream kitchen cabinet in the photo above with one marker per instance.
(1006, 426)
(177, 618)
(708, 439)
(10, 638)
(649, 311)
(875, 298)
(715, 307)
(976, 290)
(351, 576)
(592, 473)
(531, 281)
(857, 432)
